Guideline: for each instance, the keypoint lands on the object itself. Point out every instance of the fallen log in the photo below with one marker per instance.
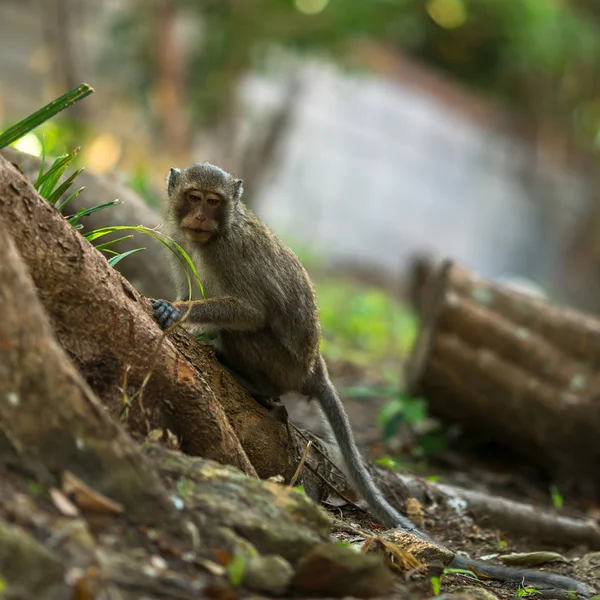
(514, 367)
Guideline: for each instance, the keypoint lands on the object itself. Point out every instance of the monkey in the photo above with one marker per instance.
(260, 308)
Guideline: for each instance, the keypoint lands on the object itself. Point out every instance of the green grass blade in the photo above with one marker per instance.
(105, 245)
(84, 212)
(47, 183)
(56, 195)
(73, 195)
(165, 240)
(115, 259)
(17, 131)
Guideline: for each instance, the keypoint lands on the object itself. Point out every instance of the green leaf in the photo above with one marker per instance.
(105, 245)
(115, 259)
(557, 499)
(236, 568)
(391, 418)
(386, 461)
(47, 183)
(181, 255)
(415, 410)
(84, 212)
(12, 134)
(55, 196)
(67, 200)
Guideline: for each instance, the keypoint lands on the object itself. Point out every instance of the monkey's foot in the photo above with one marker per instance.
(165, 313)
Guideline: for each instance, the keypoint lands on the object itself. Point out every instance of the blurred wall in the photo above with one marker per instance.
(373, 170)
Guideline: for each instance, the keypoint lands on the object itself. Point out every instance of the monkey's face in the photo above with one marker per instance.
(200, 213)
(202, 200)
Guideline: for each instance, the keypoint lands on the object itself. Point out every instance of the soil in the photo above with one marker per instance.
(466, 462)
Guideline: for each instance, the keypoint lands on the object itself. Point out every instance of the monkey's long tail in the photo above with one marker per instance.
(361, 479)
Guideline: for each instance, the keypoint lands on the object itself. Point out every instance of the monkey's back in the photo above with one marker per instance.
(251, 263)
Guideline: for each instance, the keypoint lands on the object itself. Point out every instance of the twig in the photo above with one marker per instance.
(301, 464)
(307, 439)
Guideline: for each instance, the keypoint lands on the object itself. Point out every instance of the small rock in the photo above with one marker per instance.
(425, 552)
(338, 571)
(268, 574)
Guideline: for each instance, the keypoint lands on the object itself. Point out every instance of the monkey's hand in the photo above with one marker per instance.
(165, 313)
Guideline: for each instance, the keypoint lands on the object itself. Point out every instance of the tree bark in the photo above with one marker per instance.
(516, 368)
(49, 418)
(107, 329)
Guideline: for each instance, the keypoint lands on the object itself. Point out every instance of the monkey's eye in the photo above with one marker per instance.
(212, 201)
(194, 196)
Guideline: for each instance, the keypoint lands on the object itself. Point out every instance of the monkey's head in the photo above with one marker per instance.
(202, 199)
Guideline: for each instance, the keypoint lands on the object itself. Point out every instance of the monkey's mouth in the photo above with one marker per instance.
(198, 235)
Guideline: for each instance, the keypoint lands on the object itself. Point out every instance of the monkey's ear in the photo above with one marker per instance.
(173, 179)
(238, 189)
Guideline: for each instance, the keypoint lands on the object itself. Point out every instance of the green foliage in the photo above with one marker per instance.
(392, 463)
(538, 54)
(403, 410)
(400, 410)
(165, 240)
(28, 124)
(557, 498)
(236, 568)
(363, 325)
(524, 592)
(436, 585)
(35, 489)
(436, 580)
(139, 182)
(49, 187)
(184, 486)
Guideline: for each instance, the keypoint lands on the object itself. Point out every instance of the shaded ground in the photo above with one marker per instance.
(466, 462)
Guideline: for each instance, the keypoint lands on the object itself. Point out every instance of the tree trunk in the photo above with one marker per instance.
(516, 368)
(49, 418)
(107, 329)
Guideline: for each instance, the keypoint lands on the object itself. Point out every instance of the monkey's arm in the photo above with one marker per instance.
(223, 313)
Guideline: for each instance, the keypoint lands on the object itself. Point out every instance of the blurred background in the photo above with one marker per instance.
(367, 133)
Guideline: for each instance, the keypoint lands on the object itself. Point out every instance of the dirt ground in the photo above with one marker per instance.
(468, 463)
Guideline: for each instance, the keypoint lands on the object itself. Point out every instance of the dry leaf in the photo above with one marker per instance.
(63, 504)
(531, 558)
(87, 498)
